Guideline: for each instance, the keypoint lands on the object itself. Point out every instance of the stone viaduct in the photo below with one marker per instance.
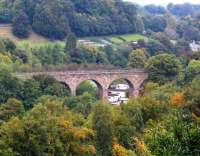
(102, 78)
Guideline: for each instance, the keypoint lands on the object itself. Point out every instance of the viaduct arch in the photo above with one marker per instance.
(103, 79)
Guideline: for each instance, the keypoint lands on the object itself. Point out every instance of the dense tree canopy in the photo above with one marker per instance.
(163, 68)
(153, 9)
(21, 25)
(193, 69)
(49, 20)
(155, 23)
(55, 19)
(102, 123)
(137, 59)
(39, 116)
(183, 9)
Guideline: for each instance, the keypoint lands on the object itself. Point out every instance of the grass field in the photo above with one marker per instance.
(115, 40)
(30, 44)
(119, 38)
(37, 40)
(133, 37)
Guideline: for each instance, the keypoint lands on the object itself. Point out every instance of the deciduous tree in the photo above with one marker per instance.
(102, 124)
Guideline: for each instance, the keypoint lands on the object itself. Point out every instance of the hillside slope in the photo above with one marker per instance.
(55, 19)
(6, 32)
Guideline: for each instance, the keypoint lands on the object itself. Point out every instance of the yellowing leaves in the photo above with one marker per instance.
(5, 58)
(119, 150)
(141, 148)
(150, 86)
(63, 122)
(13, 127)
(86, 149)
(196, 118)
(76, 140)
(83, 133)
(178, 99)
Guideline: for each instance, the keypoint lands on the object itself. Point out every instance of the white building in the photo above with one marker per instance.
(87, 42)
(122, 86)
(118, 94)
(194, 47)
(117, 97)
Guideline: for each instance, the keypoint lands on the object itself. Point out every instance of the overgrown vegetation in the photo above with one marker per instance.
(164, 118)
(40, 117)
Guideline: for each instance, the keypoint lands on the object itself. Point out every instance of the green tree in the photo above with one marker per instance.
(163, 39)
(88, 55)
(154, 9)
(30, 92)
(102, 124)
(2, 46)
(6, 15)
(193, 69)
(154, 47)
(12, 107)
(193, 95)
(12, 137)
(137, 58)
(9, 85)
(21, 25)
(124, 130)
(47, 129)
(163, 68)
(87, 86)
(49, 19)
(43, 138)
(118, 57)
(133, 111)
(155, 23)
(70, 44)
(171, 134)
(139, 25)
(55, 19)
(183, 48)
(83, 104)
(9, 45)
(23, 139)
(50, 86)
(51, 54)
(86, 104)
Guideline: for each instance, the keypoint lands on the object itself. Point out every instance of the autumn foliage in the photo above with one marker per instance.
(178, 99)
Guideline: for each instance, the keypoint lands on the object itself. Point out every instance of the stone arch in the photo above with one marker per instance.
(101, 77)
(129, 82)
(67, 86)
(100, 91)
(131, 87)
(119, 94)
(142, 87)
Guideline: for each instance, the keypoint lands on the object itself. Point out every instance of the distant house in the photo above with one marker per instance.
(122, 86)
(106, 42)
(118, 94)
(135, 43)
(117, 97)
(92, 43)
(194, 46)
